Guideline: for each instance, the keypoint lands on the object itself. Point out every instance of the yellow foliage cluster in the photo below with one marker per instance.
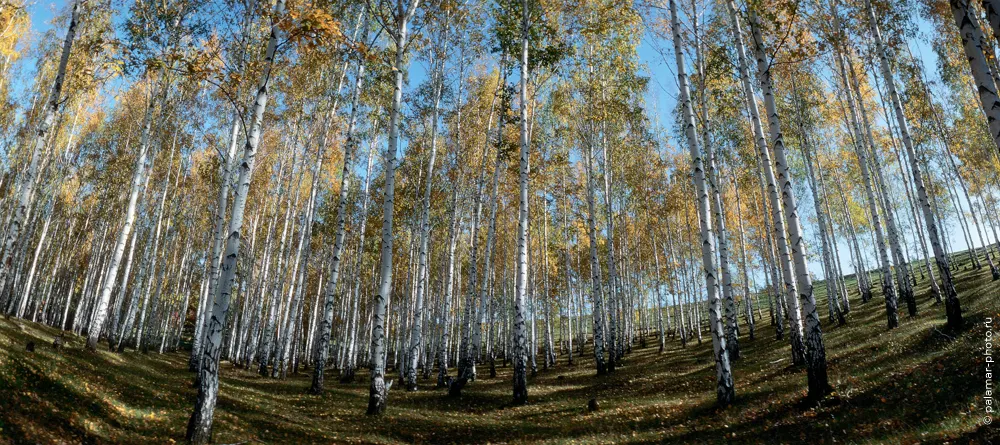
(312, 26)
(14, 23)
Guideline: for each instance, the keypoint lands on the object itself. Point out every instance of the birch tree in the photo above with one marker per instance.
(100, 311)
(199, 428)
(520, 339)
(952, 305)
(330, 297)
(397, 28)
(776, 205)
(41, 132)
(815, 349)
(972, 43)
(437, 78)
(725, 391)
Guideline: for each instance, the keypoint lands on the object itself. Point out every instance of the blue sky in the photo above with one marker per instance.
(660, 100)
(41, 14)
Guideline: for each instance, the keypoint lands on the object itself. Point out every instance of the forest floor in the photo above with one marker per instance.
(915, 384)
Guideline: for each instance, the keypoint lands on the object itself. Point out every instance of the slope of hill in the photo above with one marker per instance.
(916, 383)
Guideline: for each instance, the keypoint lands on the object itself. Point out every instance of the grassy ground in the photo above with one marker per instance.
(916, 383)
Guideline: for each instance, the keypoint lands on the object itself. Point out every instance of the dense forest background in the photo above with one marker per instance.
(316, 195)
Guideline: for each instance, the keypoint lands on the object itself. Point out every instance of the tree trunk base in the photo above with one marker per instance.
(348, 375)
(378, 394)
(455, 389)
(444, 380)
(954, 310)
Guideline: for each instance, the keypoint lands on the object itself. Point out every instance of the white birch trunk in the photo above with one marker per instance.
(379, 390)
(613, 289)
(815, 349)
(349, 367)
(747, 301)
(29, 176)
(218, 236)
(831, 282)
(785, 251)
(350, 146)
(491, 233)
(424, 227)
(972, 41)
(595, 267)
(887, 287)
(453, 232)
(520, 335)
(867, 143)
(725, 392)
(26, 294)
(952, 305)
(199, 429)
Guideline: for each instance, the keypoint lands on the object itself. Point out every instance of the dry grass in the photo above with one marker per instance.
(913, 384)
